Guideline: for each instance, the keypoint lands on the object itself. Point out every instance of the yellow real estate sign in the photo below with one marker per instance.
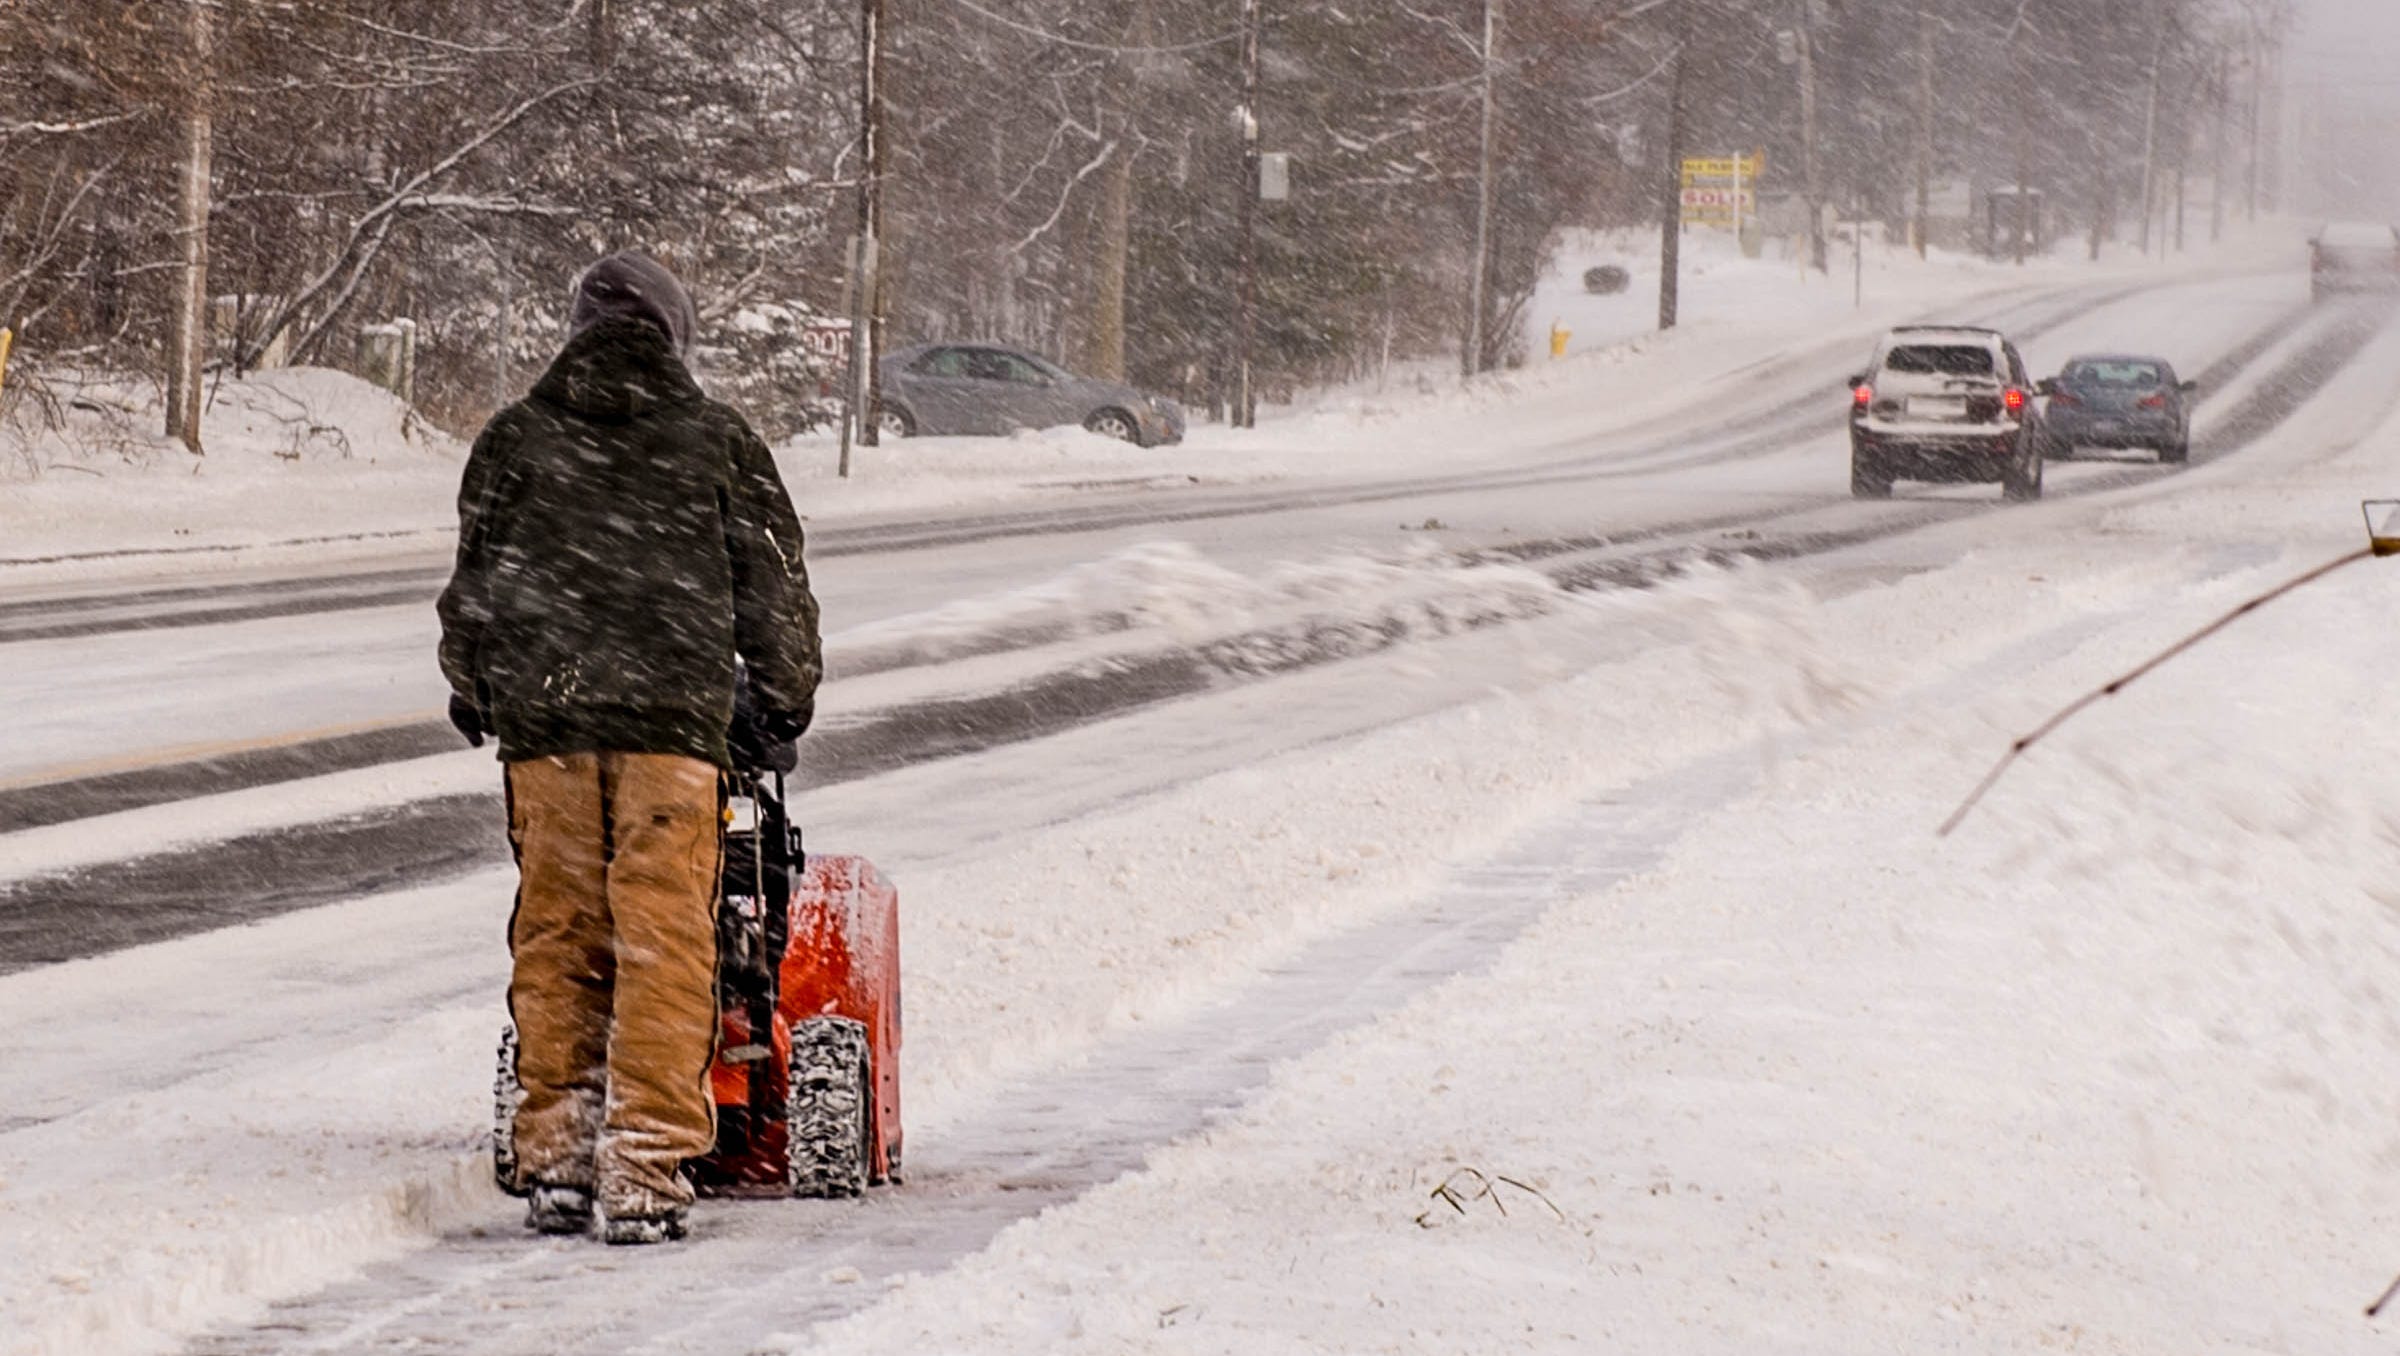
(1729, 167)
(1721, 190)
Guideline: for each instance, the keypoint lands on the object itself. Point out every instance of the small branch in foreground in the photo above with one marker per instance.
(2375, 1310)
(2017, 750)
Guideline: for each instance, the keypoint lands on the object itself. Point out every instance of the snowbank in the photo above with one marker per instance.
(292, 454)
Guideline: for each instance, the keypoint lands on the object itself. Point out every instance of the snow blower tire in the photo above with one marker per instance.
(507, 1096)
(831, 1109)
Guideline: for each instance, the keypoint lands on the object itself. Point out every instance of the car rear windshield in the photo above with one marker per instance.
(1948, 360)
(2115, 374)
(2358, 235)
(2361, 258)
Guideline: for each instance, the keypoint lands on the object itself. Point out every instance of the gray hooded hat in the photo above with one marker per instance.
(633, 285)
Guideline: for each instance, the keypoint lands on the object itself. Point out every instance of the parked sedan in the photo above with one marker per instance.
(2121, 402)
(971, 389)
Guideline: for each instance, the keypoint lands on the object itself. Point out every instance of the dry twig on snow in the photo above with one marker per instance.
(1481, 1186)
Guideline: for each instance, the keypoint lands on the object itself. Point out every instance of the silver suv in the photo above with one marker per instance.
(1945, 403)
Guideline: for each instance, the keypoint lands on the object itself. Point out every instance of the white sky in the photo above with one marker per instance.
(2352, 44)
(2346, 57)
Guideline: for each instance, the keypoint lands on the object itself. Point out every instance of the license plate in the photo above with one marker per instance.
(2106, 426)
(1938, 407)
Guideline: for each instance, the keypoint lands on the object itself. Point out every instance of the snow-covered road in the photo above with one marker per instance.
(1625, 896)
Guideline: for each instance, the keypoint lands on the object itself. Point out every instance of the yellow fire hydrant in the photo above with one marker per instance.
(1560, 335)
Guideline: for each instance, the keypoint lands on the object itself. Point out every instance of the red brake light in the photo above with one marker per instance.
(1863, 396)
(2014, 398)
(2155, 402)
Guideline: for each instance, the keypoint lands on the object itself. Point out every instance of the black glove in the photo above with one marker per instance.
(786, 727)
(767, 743)
(762, 739)
(469, 719)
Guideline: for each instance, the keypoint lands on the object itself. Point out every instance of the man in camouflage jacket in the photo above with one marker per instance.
(622, 541)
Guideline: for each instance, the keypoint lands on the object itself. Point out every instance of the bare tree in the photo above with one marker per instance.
(194, 194)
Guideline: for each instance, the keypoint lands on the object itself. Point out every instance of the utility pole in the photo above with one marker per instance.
(2183, 164)
(188, 345)
(2257, 67)
(2024, 226)
(1670, 192)
(1858, 253)
(1245, 323)
(2104, 200)
(1471, 360)
(2216, 172)
(2158, 54)
(866, 343)
(1808, 139)
(1924, 229)
(863, 423)
(2275, 122)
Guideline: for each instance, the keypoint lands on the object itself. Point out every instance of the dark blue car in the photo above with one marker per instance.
(2120, 401)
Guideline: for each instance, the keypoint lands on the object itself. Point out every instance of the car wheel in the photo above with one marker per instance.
(1867, 480)
(898, 422)
(2179, 453)
(2022, 482)
(1117, 424)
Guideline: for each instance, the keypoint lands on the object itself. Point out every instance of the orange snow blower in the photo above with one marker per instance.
(807, 1072)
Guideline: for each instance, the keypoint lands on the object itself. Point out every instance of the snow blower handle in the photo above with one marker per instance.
(795, 854)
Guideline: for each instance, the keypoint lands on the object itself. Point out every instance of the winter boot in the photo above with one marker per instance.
(634, 1230)
(558, 1209)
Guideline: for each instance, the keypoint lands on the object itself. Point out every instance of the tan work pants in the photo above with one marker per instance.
(614, 994)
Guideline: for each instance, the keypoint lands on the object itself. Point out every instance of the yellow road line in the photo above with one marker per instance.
(185, 753)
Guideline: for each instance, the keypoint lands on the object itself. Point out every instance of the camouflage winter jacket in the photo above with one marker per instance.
(621, 539)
